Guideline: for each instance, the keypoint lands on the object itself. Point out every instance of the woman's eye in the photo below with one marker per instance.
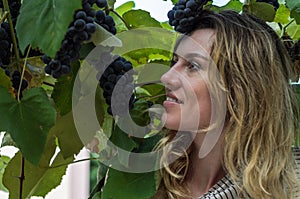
(193, 66)
(174, 61)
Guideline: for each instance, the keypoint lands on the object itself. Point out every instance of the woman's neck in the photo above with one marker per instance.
(205, 172)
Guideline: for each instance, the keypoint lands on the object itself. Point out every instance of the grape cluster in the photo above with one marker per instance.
(15, 79)
(106, 21)
(14, 8)
(274, 3)
(184, 13)
(5, 43)
(80, 30)
(119, 73)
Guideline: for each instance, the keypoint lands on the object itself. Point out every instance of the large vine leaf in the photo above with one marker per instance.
(27, 121)
(262, 10)
(282, 15)
(233, 5)
(68, 139)
(140, 18)
(121, 185)
(120, 11)
(293, 31)
(295, 13)
(3, 163)
(40, 18)
(4, 80)
(38, 181)
(125, 7)
(62, 93)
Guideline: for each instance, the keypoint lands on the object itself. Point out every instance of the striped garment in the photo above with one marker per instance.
(225, 189)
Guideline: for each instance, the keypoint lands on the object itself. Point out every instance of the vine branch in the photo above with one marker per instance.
(5, 15)
(22, 177)
(147, 83)
(12, 32)
(64, 164)
(22, 75)
(126, 24)
(286, 26)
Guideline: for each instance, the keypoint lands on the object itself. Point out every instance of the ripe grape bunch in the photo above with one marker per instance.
(119, 73)
(274, 3)
(14, 8)
(184, 13)
(5, 44)
(80, 30)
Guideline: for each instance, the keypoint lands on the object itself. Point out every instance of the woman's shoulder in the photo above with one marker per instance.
(296, 153)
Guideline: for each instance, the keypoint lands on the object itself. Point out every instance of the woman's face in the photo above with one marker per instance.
(188, 103)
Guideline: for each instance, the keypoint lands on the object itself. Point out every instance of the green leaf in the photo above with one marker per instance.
(28, 121)
(7, 141)
(111, 3)
(140, 18)
(138, 44)
(5, 80)
(122, 140)
(105, 38)
(231, 5)
(125, 7)
(293, 30)
(166, 25)
(43, 23)
(69, 141)
(282, 15)
(62, 93)
(3, 163)
(139, 113)
(295, 13)
(121, 185)
(38, 180)
(151, 73)
(261, 10)
(291, 4)
(174, 1)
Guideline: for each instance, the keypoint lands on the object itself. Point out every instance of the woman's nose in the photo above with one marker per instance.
(171, 79)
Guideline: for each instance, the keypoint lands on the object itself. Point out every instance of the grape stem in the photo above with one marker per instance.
(126, 24)
(4, 16)
(12, 32)
(22, 177)
(147, 83)
(23, 71)
(65, 164)
(152, 97)
(286, 26)
(48, 84)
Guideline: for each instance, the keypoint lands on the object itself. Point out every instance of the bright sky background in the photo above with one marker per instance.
(159, 8)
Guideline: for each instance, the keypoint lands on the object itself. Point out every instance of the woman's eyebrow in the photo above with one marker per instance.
(193, 55)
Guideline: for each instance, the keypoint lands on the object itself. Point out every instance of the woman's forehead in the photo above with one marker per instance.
(199, 42)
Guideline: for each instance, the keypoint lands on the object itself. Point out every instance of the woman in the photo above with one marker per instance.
(252, 155)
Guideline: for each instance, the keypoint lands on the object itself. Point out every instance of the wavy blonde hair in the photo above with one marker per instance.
(262, 112)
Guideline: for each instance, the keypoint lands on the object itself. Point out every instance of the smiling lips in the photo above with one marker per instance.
(172, 98)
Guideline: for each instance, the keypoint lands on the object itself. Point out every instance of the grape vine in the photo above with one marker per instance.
(43, 86)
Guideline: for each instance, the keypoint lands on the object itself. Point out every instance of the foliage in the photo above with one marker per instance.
(43, 120)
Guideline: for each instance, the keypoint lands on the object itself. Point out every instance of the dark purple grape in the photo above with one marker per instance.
(183, 11)
(101, 3)
(79, 25)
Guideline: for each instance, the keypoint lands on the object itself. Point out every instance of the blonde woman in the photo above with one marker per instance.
(252, 157)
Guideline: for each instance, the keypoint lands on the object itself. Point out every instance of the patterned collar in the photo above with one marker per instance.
(224, 189)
